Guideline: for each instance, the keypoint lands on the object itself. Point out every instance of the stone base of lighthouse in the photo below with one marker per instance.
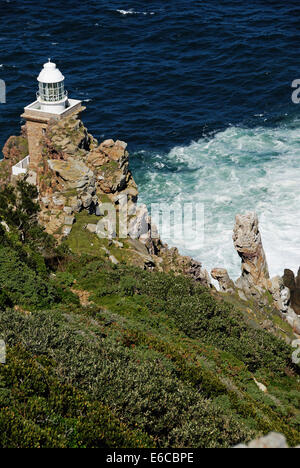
(37, 121)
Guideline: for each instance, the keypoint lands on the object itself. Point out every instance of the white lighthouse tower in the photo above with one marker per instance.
(52, 95)
(52, 103)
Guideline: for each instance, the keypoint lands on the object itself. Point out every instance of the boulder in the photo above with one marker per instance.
(281, 294)
(69, 220)
(248, 244)
(68, 210)
(15, 149)
(87, 200)
(58, 199)
(294, 286)
(141, 250)
(197, 272)
(271, 441)
(72, 173)
(225, 283)
(139, 226)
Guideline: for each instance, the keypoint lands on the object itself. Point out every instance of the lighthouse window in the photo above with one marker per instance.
(51, 92)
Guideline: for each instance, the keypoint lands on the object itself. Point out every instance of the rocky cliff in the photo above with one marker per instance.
(79, 180)
(76, 177)
(255, 284)
(15, 149)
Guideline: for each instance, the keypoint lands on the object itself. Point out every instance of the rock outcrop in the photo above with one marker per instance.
(247, 241)
(255, 282)
(15, 149)
(225, 283)
(293, 284)
(75, 173)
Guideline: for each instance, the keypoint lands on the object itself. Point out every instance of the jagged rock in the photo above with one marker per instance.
(77, 173)
(296, 326)
(86, 199)
(108, 143)
(68, 210)
(285, 295)
(282, 298)
(69, 220)
(255, 282)
(58, 200)
(91, 190)
(225, 283)
(73, 174)
(139, 226)
(248, 243)
(142, 252)
(14, 150)
(197, 272)
(294, 286)
(289, 279)
(75, 204)
(110, 161)
(281, 294)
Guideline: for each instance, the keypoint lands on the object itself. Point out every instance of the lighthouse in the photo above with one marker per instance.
(51, 94)
(52, 102)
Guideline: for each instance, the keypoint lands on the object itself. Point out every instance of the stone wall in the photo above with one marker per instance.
(35, 132)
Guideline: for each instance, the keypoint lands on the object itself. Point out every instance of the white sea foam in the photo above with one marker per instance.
(235, 171)
(134, 12)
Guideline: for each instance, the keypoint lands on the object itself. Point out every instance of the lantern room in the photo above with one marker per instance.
(52, 95)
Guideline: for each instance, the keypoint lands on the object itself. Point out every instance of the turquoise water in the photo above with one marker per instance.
(233, 171)
(201, 91)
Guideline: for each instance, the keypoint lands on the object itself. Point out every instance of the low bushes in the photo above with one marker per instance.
(39, 411)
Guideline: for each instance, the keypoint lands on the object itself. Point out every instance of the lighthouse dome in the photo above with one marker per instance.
(52, 95)
(50, 74)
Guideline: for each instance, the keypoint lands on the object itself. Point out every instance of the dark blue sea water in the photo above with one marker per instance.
(201, 91)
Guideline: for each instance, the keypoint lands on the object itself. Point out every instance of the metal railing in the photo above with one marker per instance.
(21, 167)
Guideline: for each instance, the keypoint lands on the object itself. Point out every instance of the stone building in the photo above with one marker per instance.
(52, 103)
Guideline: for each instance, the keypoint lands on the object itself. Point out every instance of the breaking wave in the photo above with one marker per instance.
(134, 12)
(233, 171)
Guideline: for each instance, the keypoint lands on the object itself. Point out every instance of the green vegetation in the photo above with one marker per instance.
(152, 360)
(81, 241)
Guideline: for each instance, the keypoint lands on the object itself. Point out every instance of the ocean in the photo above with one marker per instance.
(201, 91)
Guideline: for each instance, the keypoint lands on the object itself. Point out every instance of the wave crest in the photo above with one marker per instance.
(234, 171)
